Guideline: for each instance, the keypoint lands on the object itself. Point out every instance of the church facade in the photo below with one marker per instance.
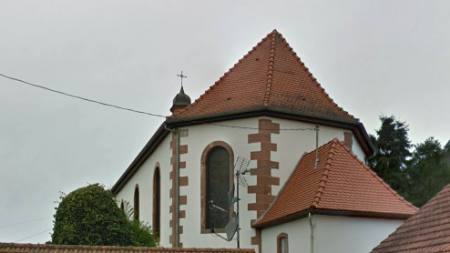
(269, 109)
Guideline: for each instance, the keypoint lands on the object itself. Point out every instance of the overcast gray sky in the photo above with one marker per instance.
(372, 57)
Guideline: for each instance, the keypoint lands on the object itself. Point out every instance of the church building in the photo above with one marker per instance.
(306, 187)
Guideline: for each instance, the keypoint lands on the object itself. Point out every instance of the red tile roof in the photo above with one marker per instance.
(341, 183)
(426, 231)
(48, 248)
(271, 76)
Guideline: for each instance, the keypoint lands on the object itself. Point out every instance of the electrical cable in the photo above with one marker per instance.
(33, 235)
(146, 113)
(23, 222)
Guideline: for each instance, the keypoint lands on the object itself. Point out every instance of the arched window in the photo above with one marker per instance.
(282, 243)
(217, 180)
(156, 202)
(136, 202)
(122, 206)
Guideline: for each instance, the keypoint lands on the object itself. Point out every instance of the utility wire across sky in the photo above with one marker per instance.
(143, 112)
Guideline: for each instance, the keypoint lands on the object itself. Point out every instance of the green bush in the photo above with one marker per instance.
(90, 216)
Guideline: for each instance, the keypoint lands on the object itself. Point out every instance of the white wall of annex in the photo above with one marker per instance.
(298, 232)
(144, 177)
(331, 234)
(350, 234)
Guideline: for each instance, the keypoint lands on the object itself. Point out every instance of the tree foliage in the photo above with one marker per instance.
(428, 172)
(392, 154)
(416, 175)
(90, 216)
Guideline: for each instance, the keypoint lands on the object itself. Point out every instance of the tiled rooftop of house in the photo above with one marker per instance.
(45, 248)
(426, 231)
(340, 183)
(270, 77)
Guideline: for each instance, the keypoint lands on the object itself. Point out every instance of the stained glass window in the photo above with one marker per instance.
(218, 185)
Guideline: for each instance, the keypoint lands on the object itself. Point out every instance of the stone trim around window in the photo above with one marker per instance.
(279, 237)
(203, 204)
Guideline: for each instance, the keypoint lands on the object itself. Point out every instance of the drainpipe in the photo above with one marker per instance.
(311, 226)
(177, 186)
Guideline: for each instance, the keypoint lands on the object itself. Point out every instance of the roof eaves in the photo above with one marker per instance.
(140, 158)
(373, 174)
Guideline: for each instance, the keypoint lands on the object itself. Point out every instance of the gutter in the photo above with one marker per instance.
(177, 186)
(311, 226)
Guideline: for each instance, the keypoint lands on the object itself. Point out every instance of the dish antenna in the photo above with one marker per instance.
(232, 227)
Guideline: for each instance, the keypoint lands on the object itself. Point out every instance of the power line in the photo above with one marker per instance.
(23, 222)
(82, 98)
(147, 113)
(33, 235)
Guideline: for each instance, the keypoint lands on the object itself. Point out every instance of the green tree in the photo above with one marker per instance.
(392, 154)
(90, 216)
(428, 172)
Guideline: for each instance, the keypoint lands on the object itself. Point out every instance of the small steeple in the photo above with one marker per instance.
(181, 100)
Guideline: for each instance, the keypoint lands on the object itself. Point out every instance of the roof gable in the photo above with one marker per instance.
(426, 231)
(270, 77)
(340, 182)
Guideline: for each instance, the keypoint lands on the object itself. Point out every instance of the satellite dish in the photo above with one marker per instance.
(232, 226)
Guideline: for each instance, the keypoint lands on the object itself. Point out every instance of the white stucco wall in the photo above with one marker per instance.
(331, 234)
(350, 234)
(290, 147)
(200, 136)
(144, 177)
(298, 237)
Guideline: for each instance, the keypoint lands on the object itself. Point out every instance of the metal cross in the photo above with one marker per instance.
(182, 76)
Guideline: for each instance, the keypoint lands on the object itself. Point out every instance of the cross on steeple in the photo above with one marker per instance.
(181, 77)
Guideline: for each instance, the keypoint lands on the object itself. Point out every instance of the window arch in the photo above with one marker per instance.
(217, 179)
(156, 201)
(136, 202)
(282, 243)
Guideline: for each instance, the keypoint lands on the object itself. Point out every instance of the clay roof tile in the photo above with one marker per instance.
(341, 182)
(270, 76)
(43, 248)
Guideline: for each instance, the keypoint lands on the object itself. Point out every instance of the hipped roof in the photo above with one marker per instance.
(341, 184)
(426, 231)
(269, 77)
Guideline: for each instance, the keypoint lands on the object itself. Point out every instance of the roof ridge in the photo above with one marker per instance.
(376, 176)
(89, 248)
(270, 70)
(224, 75)
(324, 179)
(312, 76)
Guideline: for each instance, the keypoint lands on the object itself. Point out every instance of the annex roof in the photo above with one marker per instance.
(269, 77)
(341, 184)
(49, 248)
(426, 231)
